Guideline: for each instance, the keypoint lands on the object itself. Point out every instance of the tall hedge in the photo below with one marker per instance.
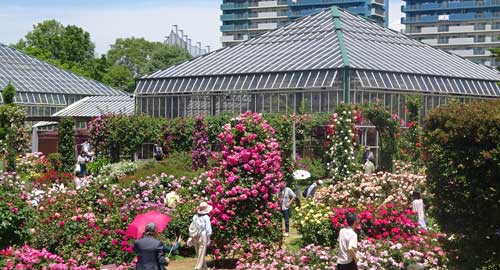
(67, 144)
(462, 144)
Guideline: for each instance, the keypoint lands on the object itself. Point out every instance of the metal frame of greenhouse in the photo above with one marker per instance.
(42, 88)
(311, 65)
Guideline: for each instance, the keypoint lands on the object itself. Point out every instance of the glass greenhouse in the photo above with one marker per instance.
(43, 89)
(311, 65)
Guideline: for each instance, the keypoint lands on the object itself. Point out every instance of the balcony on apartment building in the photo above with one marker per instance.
(320, 3)
(454, 29)
(233, 38)
(429, 6)
(451, 17)
(254, 15)
(253, 4)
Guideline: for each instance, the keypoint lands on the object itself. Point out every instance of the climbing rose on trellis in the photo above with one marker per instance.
(341, 136)
(243, 185)
(200, 152)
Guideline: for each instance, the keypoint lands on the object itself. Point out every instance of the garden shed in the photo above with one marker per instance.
(311, 65)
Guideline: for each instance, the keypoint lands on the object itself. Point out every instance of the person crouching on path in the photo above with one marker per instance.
(200, 231)
(149, 250)
(286, 198)
(348, 244)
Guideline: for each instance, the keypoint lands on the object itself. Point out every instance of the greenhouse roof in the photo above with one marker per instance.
(310, 51)
(99, 105)
(39, 82)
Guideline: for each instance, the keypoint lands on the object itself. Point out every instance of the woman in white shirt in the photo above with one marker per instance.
(418, 207)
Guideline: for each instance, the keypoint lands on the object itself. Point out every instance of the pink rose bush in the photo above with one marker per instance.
(27, 258)
(200, 152)
(243, 184)
(310, 257)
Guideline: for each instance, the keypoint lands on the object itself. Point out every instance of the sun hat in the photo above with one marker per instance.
(320, 182)
(204, 208)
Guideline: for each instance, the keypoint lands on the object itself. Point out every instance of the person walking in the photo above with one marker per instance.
(200, 231)
(311, 190)
(158, 152)
(82, 162)
(150, 251)
(369, 166)
(418, 207)
(286, 198)
(348, 244)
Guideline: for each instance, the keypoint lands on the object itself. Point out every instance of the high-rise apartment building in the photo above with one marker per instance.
(464, 27)
(243, 19)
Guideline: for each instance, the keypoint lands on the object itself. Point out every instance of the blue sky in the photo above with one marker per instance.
(107, 20)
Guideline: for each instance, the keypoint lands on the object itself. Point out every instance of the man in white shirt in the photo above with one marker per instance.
(348, 244)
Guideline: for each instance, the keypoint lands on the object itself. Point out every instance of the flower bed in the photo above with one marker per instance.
(376, 189)
(310, 257)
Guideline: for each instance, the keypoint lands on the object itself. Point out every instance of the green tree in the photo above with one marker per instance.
(67, 143)
(52, 40)
(139, 56)
(120, 77)
(8, 94)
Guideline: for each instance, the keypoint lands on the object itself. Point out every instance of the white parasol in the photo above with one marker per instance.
(301, 175)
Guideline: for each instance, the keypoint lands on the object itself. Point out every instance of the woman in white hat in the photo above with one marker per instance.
(200, 231)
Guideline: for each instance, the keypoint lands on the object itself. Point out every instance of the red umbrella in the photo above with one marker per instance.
(137, 227)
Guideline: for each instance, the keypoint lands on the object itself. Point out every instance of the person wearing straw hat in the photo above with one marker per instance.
(200, 231)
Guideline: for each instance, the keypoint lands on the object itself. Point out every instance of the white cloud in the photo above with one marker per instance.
(201, 23)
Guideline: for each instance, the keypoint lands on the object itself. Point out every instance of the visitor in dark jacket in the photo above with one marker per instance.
(150, 251)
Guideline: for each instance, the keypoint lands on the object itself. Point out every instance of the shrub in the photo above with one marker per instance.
(14, 212)
(67, 144)
(462, 144)
(243, 184)
(177, 135)
(119, 170)
(313, 223)
(8, 94)
(96, 166)
(55, 161)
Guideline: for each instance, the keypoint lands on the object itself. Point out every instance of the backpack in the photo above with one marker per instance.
(196, 227)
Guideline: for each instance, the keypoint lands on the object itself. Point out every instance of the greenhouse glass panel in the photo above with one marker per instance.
(303, 80)
(312, 79)
(256, 82)
(211, 83)
(225, 83)
(408, 82)
(290, 103)
(278, 81)
(324, 101)
(282, 103)
(363, 79)
(218, 83)
(387, 81)
(320, 78)
(316, 102)
(295, 80)
(286, 80)
(271, 81)
(248, 82)
(262, 81)
(163, 105)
